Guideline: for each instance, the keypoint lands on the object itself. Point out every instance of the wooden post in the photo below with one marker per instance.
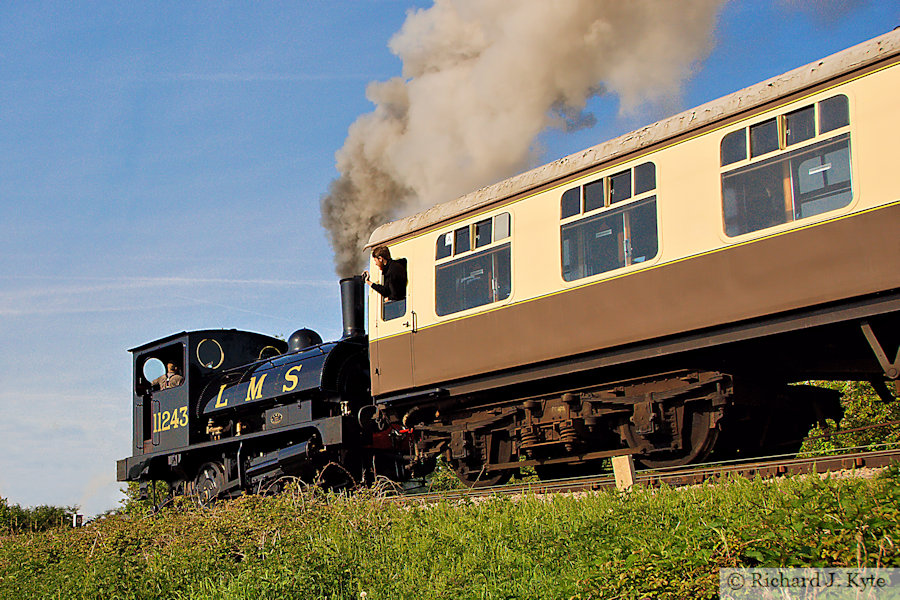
(623, 469)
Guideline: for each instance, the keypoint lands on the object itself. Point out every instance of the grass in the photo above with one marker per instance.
(661, 543)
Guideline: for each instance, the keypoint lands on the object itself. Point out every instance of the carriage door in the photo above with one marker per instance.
(392, 345)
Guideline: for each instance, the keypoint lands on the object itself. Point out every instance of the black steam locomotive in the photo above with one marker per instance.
(251, 409)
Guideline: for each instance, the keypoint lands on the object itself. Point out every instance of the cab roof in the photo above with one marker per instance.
(196, 333)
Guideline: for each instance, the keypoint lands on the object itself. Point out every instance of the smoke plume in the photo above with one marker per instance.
(481, 79)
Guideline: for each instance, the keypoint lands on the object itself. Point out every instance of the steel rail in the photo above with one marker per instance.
(675, 477)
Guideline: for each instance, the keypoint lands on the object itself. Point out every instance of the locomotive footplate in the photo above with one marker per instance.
(330, 431)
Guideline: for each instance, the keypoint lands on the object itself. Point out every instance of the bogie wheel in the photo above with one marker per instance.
(209, 483)
(699, 434)
(478, 473)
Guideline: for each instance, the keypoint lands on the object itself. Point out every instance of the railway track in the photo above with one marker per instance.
(680, 476)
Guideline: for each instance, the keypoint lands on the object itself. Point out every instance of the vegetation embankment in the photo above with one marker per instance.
(661, 543)
(308, 544)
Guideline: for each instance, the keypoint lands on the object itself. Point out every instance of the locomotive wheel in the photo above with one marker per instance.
(209, 483)
(699, 440)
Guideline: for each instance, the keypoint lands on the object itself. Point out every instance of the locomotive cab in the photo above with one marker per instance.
(165, 408)
(161, 399)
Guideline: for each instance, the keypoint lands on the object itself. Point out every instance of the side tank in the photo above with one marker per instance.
(313, 380)
(333, 372)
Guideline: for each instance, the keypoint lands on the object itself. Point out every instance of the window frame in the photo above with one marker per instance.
(614, 207)
(505, 246)
(453, 234)
(786, 148)
(501, 230)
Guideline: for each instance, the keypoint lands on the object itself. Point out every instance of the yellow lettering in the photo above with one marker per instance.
(289, 376)
(254, 390)
(220, 402)
(183, 421)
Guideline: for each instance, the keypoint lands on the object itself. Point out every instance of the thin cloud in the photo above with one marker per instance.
(130, 281)
(75, 309)
(260, 77)
(196, 77)
(230, 307)
(61, 298)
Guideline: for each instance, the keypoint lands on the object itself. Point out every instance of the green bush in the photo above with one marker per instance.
(862, 407)
(15, 519)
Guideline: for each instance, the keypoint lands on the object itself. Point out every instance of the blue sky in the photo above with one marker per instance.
(161, 166)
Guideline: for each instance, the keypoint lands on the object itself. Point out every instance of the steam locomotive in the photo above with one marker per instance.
(253, 408)
(665, 294)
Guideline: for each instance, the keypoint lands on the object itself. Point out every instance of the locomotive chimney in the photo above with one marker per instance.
(352, 306)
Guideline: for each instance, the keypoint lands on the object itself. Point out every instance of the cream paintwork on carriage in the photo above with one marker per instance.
(688, 191)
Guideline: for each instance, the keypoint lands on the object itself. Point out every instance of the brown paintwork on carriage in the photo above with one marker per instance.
(795, 269)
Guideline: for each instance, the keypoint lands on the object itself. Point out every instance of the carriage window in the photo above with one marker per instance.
(644, 178)
(800, 125)
(392, 309)
(571, 203)
(444, 246)
(485, 232)
(482, 233)
(620, 187)
(763, 138)
(461, 241)
(593, 195)
(792, 186)
(833, 113)
(734, 147)
(609, 190)
(823, 179)
(475, 280)
(610, 240)
(501, 226)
